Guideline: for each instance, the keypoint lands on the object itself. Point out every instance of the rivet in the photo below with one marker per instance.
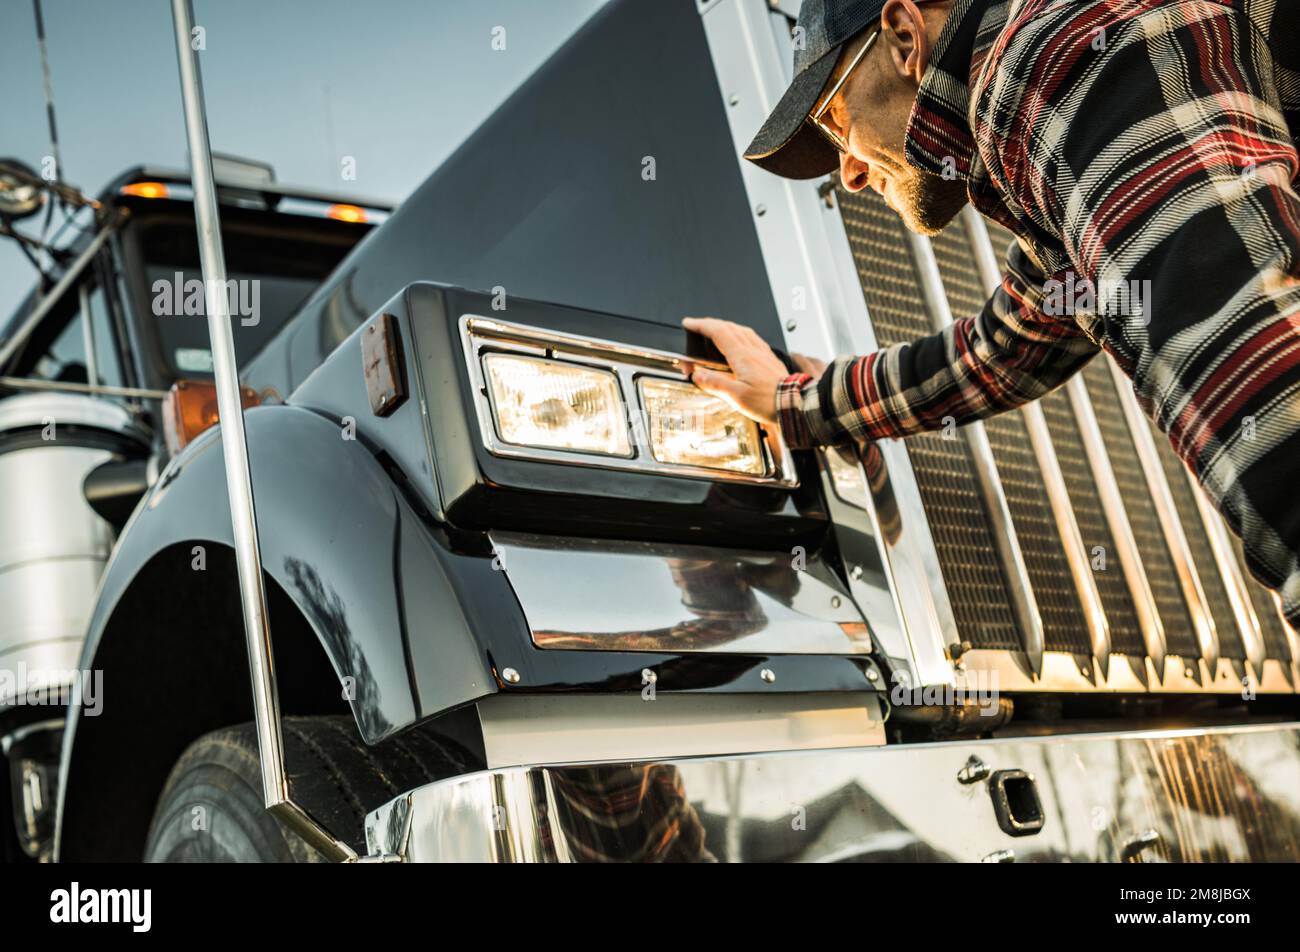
(760, 211)
(734, 100)
(510, 676)
(855, 573)
(791, 324)
(768, 675)
(835, 601)
(873, 674)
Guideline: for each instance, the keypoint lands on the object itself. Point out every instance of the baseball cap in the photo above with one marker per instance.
(787, 145)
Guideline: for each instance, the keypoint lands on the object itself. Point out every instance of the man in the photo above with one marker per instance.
(1147, 141)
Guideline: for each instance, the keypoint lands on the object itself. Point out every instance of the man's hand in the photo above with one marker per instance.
(755, 370)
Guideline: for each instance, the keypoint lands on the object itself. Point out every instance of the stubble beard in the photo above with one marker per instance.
(926, 202)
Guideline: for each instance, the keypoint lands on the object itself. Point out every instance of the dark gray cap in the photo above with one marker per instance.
(788, 145)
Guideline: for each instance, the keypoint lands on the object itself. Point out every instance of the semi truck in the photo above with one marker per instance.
(534, 597)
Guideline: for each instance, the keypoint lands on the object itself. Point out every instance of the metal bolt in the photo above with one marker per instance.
(974, 771)
(760, 211)
(768, 675)
(734, 100)
(835, 601)
(791, 324)
(855, 573)
(873, 674)
(510, 676)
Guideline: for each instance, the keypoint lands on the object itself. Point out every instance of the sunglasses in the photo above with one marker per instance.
(816, 117)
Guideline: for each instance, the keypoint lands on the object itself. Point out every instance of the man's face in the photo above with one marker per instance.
(871, 112)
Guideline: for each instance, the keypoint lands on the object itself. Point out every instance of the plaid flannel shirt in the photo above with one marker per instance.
(1121, 141)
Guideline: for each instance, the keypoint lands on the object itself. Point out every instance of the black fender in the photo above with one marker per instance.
(350, 564)
(345, 544)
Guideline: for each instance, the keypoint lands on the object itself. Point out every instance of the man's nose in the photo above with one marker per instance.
(853, 172)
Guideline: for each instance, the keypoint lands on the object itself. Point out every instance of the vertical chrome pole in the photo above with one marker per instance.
(88, 336)
(239, 483)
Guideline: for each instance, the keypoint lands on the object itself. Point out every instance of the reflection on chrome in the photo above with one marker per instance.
(688, 598)
(1227, 795)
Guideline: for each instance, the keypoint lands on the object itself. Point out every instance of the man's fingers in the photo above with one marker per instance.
(725, 335)
(809, 365)
(716, 383)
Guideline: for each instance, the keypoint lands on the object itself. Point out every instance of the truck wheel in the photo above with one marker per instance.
(211, 807)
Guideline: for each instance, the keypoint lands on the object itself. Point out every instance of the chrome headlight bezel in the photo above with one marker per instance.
(482, 336)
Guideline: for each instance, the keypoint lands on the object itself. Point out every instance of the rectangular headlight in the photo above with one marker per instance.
(688, 427)
(554, 405)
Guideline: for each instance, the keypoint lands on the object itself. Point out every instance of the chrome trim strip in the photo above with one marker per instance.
(1112, 503)
(1024, 606)
(1207, 638)
(818, 295)
(1234, 580)
(899, 802)
(629, 364)
(524, 729)
(1058, 495)
(239, 481)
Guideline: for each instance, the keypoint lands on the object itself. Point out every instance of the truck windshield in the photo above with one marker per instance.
(273, 264)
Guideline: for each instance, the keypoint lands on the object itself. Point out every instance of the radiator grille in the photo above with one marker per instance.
(976, 588)
(1125, 636)
(1179, 636)
(1270, 622)
(1064, 626)
(975, 585)
(1216, 593)
(1112, 588)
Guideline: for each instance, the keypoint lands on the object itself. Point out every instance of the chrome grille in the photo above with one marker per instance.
(976, 587)
(1216, 594)
(1064, 628)
(1270, 622)
(943, 469)
(1140, 509)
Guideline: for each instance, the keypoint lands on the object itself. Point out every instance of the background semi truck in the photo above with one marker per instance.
(533, 597)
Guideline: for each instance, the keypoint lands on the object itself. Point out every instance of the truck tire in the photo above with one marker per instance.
(210, 809)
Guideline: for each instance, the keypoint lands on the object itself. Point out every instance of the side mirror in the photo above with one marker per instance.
(114, 488)
(22, 193)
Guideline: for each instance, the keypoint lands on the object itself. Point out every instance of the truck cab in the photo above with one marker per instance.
(534, 597)
(110, 346)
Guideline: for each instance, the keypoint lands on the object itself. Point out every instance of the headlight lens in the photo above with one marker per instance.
(555, 405)
(687, 427)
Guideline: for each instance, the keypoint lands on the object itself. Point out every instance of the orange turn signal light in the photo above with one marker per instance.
(191, 408)
(146, 190)
(352, 213)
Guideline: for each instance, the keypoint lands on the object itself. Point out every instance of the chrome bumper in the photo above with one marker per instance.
(1219, 794)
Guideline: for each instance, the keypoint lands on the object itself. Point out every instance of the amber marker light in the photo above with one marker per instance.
(351, 213)
(146, 190)
(191, 408)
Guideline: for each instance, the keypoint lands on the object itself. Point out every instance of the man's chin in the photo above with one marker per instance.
(927, 204)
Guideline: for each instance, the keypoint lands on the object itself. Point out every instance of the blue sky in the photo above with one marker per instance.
(396, 84)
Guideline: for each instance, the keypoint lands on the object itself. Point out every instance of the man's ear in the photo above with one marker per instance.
(907, 39)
